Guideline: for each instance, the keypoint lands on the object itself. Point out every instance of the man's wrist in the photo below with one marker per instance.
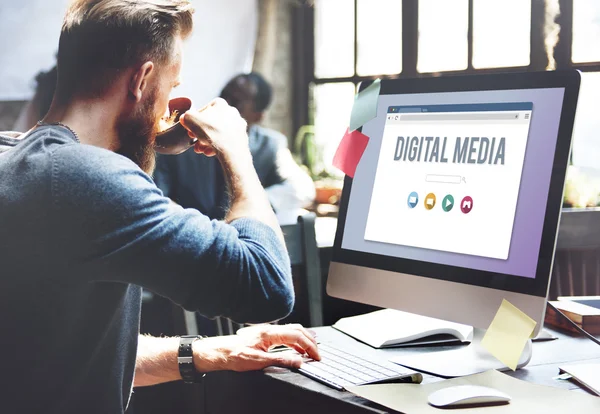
(236, 161)
(239, 171)
(209, 356)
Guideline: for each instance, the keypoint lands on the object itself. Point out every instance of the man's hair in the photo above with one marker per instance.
(100, 38)
(262, 93)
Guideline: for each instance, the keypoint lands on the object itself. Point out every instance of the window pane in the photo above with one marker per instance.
(334, 38)
(501, 33)
(443, 28)
(586, 31)
(586, 133)
(332, 105)
(379, 37)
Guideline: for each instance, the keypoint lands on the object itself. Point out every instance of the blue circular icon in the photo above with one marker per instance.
(413, 199)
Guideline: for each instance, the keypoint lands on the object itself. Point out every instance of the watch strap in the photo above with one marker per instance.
(185, 359)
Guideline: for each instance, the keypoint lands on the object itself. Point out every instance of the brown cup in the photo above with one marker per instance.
(175, 139)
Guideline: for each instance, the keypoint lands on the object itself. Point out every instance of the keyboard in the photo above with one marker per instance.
(340, 368)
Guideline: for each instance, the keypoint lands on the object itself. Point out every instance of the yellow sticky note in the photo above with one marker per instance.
(508, 333)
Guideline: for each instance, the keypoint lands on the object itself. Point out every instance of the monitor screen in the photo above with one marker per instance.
(457, 179)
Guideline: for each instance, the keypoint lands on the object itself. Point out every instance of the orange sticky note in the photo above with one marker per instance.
(350, 151)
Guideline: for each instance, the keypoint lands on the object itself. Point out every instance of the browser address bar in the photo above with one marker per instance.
(480, 116)
(446, 179)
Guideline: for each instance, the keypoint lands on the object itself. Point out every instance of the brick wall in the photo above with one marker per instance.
(273, 59)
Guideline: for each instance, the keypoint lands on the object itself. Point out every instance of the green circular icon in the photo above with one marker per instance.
(448, 203)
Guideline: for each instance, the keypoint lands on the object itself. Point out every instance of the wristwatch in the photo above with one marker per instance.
(185, 359)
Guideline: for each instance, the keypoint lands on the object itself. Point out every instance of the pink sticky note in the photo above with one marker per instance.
(350, 151)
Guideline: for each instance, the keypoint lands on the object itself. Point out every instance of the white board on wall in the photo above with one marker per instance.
(29, 32)
(221, 46)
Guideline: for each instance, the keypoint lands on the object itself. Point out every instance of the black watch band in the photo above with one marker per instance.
(185, 359)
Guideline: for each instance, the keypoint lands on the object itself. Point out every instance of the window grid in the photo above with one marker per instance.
(538, 57)
(410, 8)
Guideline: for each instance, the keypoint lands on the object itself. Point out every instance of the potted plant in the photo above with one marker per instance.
(328, 182)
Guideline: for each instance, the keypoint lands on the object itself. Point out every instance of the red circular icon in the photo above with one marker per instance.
(466, 205)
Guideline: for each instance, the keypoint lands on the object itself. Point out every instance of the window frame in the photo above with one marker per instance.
(304, 50)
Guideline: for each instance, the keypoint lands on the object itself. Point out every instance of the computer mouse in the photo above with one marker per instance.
(459, 395)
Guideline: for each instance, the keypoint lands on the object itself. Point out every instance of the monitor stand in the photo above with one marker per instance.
(461, 361)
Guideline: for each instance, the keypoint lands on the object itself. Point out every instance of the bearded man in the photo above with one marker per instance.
(84, 228)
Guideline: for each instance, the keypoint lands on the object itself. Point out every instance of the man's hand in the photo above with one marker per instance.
(221, 131)
(249, 349)
(219, 128)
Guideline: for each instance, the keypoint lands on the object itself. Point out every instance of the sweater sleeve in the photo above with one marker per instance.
(120, 228)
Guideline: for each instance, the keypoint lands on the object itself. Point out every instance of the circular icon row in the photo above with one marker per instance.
(466, 205)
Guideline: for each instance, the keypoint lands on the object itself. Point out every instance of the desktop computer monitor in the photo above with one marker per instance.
(456, 201)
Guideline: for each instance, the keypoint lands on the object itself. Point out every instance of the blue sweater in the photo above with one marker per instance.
(81, 230)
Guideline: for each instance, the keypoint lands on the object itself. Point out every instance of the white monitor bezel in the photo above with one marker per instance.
(463, 295)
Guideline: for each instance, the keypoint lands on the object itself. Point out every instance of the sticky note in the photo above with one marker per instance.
(350, 151)
(508, 333)
(365, 105)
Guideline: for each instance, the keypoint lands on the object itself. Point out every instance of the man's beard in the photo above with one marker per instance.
(137, 134)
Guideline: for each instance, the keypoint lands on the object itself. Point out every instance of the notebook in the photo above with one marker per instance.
(391, 328)
(587, 375)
